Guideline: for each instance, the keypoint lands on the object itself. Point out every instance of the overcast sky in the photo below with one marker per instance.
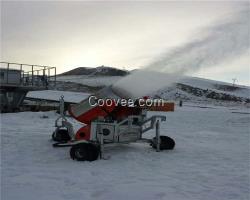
(119, 34)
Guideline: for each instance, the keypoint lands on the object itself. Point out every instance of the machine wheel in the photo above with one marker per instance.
(61, 135)
(166, 143)
(84, 152)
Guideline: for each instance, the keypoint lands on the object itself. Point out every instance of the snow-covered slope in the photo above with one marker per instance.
(90, 80)
(204, 90)
(98, 71)
(187, 88)
(55, 95)
(210, 161)
(237, 90)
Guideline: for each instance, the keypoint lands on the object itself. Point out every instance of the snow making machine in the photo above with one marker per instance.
(107, 124)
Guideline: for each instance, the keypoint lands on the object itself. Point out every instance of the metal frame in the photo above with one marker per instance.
(155, 121)
(63, 119)
(30, 73)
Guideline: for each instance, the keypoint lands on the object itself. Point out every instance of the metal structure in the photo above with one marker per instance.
(17, 79)
(107, 124)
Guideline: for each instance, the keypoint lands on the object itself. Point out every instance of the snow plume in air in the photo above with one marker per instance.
(222, 42)
(142, 83)
(216, 44)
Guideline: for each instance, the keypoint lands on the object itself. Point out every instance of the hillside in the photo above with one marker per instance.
(98, 71)
(187, 89)
(203, 90)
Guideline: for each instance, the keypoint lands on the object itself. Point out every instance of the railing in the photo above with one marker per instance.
(27, 75)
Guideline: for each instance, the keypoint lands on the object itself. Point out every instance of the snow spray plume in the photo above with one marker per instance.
(220, 43)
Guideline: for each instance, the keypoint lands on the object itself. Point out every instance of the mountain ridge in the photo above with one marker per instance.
(97, 71)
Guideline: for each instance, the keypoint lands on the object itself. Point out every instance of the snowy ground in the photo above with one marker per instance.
(166, 91)
(90, 80)
(55, 95)
(202, 83)
(210, 161)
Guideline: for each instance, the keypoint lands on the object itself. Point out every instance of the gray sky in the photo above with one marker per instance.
(119, 34)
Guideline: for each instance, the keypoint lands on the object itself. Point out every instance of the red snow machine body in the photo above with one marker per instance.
(109, 122)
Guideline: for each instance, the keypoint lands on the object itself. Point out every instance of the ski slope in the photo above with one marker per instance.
(93, 81)
(55, 95)
(165, 89)
(218, 86)
(210, 160)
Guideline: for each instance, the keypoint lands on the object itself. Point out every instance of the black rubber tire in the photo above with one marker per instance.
(84, 152)
(166, 143)
(61, 135)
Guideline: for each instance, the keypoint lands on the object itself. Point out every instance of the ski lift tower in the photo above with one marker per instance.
(17, 79)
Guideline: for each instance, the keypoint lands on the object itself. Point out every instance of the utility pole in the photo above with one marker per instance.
(234, 81)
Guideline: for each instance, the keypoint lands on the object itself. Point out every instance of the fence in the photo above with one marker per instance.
(27, 75)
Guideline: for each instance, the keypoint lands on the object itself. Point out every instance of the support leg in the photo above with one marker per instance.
(101, 146)
(157, 132)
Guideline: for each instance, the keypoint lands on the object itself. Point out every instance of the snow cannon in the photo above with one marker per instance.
(110, 118)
